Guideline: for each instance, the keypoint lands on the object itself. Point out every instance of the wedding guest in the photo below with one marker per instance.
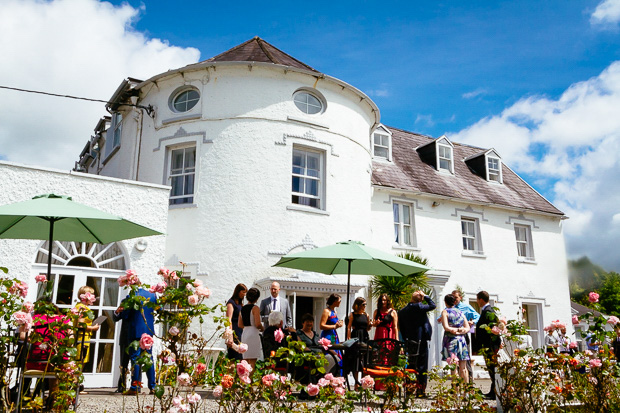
(311, 338)
(551, 340)
(357, 327)
(233, 308)
(274, 336)
(414, 325)
(87, 297)
(489, 343)
(385, 319)
(472, 316)
(615, 345)
(330, 323)
(250, 322)
(455, 327)
(276, 303)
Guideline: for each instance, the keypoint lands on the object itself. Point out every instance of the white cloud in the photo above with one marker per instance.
(75, 47)
(616, 219)
(424, 119)
(569, 144)
(606, 13)
(474, 93)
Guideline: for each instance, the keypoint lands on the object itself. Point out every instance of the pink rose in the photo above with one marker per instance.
(197, 283)
(28, 307)
(193, 299)
(173, 331)
(593, 297)
(338, 381)
(184, 379)
(269, 379)
(200, 368)
(176, 401)
(22, 318)
(19, 288)
(193, 398)
(575, 320)
(163, 271)
(313, 390)
(146, 342)
(573, 344)
(453, 359)
(595, 363)
(242, 348)
(88, 298)
(159, 287)
(613, 320)
(244, 368)
(130, 278)
(278, 335)
(203, 291)
(322, 382)
(339, 391)
(325, 343)
(495, 330)
(245, 379)
(40, 278)
(217, 392)
(368, 382)
(329, 377)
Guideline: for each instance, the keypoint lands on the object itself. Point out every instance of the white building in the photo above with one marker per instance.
(266, 155)
(75, 264)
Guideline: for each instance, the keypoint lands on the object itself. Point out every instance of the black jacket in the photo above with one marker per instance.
(484, 339)
(413, 321)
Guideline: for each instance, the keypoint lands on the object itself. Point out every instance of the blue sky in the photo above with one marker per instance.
(537, 80)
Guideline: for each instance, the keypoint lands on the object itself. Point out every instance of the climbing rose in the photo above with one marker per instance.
(200, 368)
(23, 319)
(146, 342)
(269, 379)
(613, 320)
(227, 381)
(323, 382)
(278, 335)
(242, 348)
(197, 283)
(575, 320)
(88, 298)
(193, 398)
(453, 359)
(325, 343)
(217, 391)
(203, 291)
(244, 368)
(593, 297)
(339, 391)
(28, 307)
(159, 287)
(313, 390)
(193, 299)
(184, 379)
(173, 331)
(368, 382)
(19, 288)
(41, 278)
(595, 363)
(130, 278)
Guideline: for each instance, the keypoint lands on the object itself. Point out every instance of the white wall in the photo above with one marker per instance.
(142, 203)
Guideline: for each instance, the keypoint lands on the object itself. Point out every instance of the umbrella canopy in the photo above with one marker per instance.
(56, 217)
(350, 257)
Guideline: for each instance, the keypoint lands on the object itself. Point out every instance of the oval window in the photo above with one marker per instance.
(185, 100)
(308, 103)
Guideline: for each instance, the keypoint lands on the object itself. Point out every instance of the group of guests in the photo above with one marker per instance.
(458, 320)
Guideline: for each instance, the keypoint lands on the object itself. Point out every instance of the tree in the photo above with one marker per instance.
(399, 289)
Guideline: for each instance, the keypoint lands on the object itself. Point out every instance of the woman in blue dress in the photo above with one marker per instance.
(455, 327)
(329, 322)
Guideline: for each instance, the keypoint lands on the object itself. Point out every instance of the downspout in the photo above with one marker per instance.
(139, 143)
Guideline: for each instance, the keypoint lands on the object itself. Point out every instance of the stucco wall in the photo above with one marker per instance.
(144, 204)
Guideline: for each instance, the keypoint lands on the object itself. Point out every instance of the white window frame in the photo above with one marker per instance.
(177, 94)
(496, 172)
(305, 151)
(400, 227)
(387, 148)
(118, 130)
(190, 197)
(474, 234)
(527, 243)
(303, 107)
(444, 143)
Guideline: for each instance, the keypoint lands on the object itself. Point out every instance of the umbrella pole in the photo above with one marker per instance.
(50, 285)
(348, 286)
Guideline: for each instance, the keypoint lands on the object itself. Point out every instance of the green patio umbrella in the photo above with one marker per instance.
(350, 257)
(57, 218)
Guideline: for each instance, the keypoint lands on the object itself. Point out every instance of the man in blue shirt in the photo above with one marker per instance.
(472, 316)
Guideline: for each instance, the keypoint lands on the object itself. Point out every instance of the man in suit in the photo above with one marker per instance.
(139, 322)
(413, 324)
(276, 303)
(489, 343)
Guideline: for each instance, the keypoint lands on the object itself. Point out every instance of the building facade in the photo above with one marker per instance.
(266, 155)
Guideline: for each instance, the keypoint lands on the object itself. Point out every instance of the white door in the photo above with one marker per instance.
(532, 316)
(79, 264)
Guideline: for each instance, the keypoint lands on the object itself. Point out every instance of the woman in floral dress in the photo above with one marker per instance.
(455, 327)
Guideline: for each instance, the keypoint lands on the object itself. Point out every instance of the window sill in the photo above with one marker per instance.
(182, 206)
(181, 118)
(307, 121)
(525, 260)
(111, 154)
(473, 254)
(380, 159)
(405, 248)
(301, 208)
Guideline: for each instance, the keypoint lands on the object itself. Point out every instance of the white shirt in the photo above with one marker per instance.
(275, 307)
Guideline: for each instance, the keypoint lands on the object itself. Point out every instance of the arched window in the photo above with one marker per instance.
(83, 254)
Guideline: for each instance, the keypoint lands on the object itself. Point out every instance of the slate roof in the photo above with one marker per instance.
(407, 171)
(258, 50)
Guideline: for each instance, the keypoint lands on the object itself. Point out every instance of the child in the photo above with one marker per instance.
(87, 297)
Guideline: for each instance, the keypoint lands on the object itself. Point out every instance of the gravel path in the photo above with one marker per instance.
(106, 401)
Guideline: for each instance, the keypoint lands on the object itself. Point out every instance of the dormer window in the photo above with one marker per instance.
(382, 143)
(494, 169)
(445, 157)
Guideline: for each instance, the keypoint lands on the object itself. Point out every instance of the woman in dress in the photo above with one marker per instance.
(308, 336)
(358, 327)
(251, 325)
(455, 327)
(385, 319)
(233, 308)
(329, 322)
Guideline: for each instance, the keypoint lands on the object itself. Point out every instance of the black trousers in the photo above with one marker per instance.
(421, 364)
